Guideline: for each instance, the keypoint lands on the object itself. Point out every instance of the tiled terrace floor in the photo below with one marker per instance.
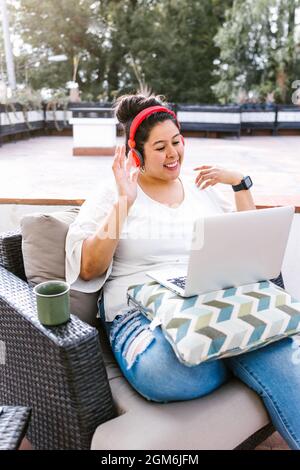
(43, 167)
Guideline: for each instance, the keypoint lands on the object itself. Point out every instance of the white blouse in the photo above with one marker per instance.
(153, 236)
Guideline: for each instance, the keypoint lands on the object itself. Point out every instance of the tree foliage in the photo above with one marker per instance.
(259, 50)
(169, 43)
(188, 50)
(56, 28)
(122, 45)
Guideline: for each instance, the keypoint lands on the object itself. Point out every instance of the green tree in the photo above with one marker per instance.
(165, 44)
(259, 50)
(58, 27)
(169, 43)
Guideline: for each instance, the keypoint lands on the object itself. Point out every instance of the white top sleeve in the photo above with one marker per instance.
(222, 201)
(92, 213)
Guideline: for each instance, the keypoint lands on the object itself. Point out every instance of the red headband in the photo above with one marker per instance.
(139, 118)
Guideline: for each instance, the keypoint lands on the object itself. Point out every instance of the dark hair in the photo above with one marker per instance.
(129, 106)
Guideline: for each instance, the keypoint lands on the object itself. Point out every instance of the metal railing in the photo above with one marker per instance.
(193, 117)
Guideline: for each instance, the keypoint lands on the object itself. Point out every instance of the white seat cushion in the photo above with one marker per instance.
(221, 420)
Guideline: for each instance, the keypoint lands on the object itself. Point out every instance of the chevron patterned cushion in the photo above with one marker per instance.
(219, 324)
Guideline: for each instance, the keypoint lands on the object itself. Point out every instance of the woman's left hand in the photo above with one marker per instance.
(209, 175)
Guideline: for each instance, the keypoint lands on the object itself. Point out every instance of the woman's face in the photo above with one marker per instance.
(163, 151)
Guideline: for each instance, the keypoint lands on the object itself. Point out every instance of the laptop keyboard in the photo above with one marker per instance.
(178, 281)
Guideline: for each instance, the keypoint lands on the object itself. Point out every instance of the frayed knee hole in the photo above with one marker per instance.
(138, 346)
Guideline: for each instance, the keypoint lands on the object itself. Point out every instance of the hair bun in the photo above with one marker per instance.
(128, 106)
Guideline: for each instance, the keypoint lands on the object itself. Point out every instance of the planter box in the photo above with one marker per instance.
(288, 117)
(91, 110)
(58, 120)
(258, 117)
(94, 136)
(94, 129)
(14, 122)
(209, 118)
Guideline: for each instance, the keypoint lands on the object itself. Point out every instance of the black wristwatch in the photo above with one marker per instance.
(246, 183)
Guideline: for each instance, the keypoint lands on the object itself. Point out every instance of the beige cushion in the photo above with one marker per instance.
(221, 420)
(43, 248)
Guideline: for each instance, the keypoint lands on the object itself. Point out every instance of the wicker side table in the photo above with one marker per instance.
(14, 421)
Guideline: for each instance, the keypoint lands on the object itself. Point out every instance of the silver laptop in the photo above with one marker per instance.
(237, 248)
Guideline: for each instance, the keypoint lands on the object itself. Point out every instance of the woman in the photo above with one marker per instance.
(115, 240)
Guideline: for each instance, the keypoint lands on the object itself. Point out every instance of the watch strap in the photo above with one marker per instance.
(245, 183)
(238, 187)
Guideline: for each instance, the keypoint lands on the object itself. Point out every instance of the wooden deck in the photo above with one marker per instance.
(261, 201)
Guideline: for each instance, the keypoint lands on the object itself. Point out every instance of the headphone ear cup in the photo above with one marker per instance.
(139, 161)
(182, 139)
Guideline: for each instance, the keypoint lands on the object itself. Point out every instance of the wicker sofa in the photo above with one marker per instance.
(79, 397)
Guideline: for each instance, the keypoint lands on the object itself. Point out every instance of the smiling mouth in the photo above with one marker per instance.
(171, 165)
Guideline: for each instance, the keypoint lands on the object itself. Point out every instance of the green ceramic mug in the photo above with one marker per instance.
(53, 302)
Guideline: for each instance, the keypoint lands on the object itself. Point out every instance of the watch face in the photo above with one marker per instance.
(248, 182)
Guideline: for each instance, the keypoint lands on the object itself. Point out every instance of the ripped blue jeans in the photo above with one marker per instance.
(150, 365)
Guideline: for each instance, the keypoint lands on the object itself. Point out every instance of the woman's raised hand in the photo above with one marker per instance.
(126, 174)
(209, 175)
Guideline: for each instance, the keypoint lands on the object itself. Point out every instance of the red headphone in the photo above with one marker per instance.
(139, 118)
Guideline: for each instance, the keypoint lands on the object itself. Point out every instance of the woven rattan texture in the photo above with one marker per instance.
(57, 371)
(11, 253)
(13, 425)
